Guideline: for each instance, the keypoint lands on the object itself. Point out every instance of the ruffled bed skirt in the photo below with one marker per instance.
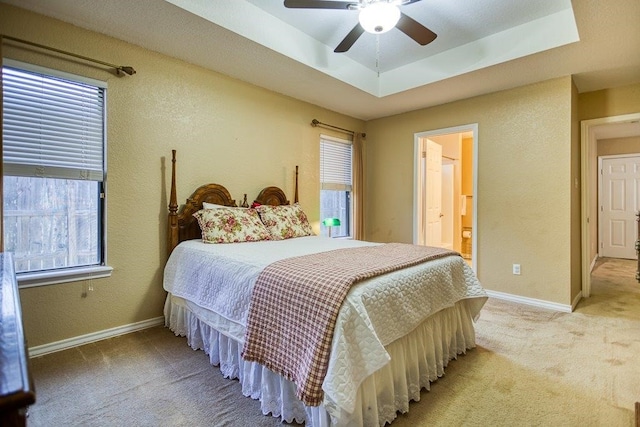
(416, 360)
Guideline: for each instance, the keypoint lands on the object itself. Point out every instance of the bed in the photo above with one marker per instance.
(394, 333)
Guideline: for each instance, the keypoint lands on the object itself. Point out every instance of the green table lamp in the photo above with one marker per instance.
(331, 222)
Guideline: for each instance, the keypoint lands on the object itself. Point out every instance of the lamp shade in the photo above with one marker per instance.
(331, 222)
(378, 18)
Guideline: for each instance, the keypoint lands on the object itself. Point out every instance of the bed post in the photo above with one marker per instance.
(173, 207)
(295, 196)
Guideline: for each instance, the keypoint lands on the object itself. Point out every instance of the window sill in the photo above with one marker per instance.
(43, 278)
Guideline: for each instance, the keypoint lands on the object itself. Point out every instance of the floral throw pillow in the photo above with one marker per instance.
(285, 222)
(231, 225)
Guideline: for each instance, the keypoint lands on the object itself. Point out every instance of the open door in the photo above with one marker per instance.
(433, 186)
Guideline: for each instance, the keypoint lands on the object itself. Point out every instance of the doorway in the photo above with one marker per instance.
(445, 183)
(591, 131)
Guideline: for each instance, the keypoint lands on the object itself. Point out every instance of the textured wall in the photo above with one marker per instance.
(524, 183)
(225, 131)
(609, 102)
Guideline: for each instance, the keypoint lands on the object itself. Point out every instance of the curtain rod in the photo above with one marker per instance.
(316, 123)
(121, 70)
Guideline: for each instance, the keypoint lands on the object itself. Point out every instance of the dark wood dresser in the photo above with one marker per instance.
(16, 386)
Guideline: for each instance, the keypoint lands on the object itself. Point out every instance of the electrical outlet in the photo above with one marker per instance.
(516, 269)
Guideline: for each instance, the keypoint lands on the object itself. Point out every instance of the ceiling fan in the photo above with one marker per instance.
(376, 17)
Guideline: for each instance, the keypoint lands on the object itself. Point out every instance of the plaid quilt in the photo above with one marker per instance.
(295, 303)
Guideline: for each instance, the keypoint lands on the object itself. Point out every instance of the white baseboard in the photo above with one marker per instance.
(530, 301)
(65, 344)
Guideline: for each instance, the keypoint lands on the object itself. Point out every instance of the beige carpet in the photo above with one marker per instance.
(532, 367)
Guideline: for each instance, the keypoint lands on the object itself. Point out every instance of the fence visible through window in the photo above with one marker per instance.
(51, 223)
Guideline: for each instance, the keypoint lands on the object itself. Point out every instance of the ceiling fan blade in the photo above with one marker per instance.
(351, 38)
(319, 4)
(421, 34)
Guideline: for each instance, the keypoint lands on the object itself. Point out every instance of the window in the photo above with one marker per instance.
(54, 174)
(335, 185)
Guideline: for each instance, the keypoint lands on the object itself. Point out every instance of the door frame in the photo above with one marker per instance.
(588, 172)
(601, 159)
(472, 127)
(448, 208)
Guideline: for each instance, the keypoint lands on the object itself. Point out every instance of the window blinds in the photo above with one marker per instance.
(52, 127)
(335, 165)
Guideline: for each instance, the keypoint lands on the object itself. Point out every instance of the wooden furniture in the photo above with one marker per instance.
(272, 196)
(16, 386)
(183, 226)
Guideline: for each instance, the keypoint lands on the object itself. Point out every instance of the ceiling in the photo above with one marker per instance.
(482, 46)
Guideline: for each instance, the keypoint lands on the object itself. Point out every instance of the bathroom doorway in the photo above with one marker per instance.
(445, 175)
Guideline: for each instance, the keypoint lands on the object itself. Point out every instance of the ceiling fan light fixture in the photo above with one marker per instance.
(380, 17)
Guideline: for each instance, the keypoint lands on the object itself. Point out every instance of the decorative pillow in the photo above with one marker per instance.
(231, 225)
(285, 222)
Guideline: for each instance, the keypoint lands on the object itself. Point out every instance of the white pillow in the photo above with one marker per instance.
(206, 205)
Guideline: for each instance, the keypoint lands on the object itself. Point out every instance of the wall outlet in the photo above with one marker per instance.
(516, 269)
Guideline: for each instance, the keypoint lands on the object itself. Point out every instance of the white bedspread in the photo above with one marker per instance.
(376, 312)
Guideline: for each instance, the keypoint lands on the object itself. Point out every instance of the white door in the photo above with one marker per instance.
(433, 188)
(619, 190)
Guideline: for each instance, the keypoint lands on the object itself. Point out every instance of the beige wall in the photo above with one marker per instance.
(612, 146)
(225, 131)
(609, 102)
(525, 188)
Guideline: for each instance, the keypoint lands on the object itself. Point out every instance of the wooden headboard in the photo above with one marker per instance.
(183, 226)
(272, 196)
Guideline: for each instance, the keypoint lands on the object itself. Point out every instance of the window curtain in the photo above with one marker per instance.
(358, 188)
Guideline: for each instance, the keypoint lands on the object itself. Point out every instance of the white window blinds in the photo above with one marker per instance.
(335, 165)
(52, 127)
